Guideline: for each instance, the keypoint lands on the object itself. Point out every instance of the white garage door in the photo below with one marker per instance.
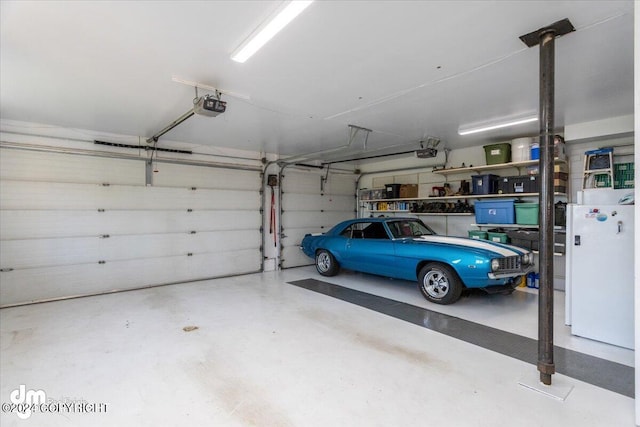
(77, 225)
(310, 205)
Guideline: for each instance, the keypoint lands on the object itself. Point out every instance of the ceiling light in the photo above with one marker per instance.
(496, 125)
(261, 35)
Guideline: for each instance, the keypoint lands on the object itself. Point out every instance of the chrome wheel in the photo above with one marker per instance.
(435, 284)
(326, 263)
(323, 262)
(439, 283)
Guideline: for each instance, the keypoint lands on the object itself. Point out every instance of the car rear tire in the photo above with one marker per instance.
(326, 263)
(439, 283)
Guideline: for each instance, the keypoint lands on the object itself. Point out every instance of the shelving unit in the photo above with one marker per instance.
(444, 214)
(460, 197)
(425, 213)
(559, 254)
(366, 205)
(557, 228)
(485, 168)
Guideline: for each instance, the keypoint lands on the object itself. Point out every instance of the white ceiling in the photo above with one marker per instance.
(406, 70)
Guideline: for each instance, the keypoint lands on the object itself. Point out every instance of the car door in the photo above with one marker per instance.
(369, 249)
(407, 250)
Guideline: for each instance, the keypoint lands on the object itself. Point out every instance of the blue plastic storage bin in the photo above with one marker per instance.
(495, 211)
(535, 151)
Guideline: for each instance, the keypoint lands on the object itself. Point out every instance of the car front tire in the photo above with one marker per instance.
(326, 263)
(439, 283)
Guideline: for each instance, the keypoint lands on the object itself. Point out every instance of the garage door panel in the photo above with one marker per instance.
(314, 202)
(294, 236)
(34, 253)
(176, 175)
(309, 207)
(16, 254)
(302, 221)
(77, 225)
(46, 195)
(338, 203)
(333, 218)
(302, 182)
(16, 224)
(315, 219)
(311, 183)
(30, 285)
(301, 202)
(339, 184)
(162, 245)
(292, 256)
(58, 167)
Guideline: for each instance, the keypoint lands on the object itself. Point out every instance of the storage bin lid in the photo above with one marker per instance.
(496, 201)
(500, 145)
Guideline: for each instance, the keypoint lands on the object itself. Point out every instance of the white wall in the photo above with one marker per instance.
(411, 170)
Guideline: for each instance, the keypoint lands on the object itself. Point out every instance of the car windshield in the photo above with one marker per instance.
(408, 228)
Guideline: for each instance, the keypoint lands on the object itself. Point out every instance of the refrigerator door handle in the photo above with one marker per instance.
(619, 227)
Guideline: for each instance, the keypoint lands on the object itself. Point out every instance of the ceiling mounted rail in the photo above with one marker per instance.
(207, 105)
(353, 132)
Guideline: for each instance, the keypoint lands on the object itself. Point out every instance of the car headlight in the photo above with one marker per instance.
(528, 258)
(495, 265)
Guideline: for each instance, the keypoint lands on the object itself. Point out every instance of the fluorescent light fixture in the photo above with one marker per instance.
(496, 125)
(265, 32)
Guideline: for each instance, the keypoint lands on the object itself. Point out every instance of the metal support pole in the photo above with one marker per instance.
(545, 305)
(545, 37)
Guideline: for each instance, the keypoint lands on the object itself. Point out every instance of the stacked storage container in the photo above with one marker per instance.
(495, 211)
(623, 175)
(498, 153)
(527, 213)
(485, 184)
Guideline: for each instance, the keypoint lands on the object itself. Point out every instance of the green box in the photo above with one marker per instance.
(623, 175)
(527, 213)
(475, 234)
(498, 153)
(602, 180)
(498, 237)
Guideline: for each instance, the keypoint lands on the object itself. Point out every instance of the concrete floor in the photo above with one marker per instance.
(266, 353)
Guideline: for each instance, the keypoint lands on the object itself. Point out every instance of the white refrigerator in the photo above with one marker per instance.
(600, 272)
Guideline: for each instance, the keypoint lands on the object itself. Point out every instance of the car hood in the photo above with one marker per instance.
(498, 248)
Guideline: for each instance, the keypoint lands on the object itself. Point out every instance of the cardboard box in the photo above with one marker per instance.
(561, 167)
(561, 175)
(408, 191)
(560, 189)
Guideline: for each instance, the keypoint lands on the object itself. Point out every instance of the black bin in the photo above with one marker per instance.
(392, 191)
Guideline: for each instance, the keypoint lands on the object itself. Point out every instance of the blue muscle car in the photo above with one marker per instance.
(406, 248)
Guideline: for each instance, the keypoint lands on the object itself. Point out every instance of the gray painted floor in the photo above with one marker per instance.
(268, 353)
(610, 375)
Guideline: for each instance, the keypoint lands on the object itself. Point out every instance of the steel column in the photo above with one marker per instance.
(545, 305)
(545, 37)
